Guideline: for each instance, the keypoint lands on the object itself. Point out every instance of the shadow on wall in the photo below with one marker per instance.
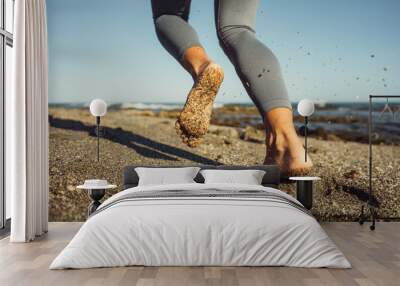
(142, 145)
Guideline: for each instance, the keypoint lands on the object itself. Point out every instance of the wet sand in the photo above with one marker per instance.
(145, 137)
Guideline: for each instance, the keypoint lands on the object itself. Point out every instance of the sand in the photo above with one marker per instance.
(144, 137)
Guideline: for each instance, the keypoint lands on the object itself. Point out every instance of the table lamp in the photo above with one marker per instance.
(305, 109)
(98, 108)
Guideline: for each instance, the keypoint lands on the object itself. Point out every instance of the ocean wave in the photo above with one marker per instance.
(152, 106)
(157, 106)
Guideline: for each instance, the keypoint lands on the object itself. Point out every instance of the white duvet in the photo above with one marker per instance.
(200, 231)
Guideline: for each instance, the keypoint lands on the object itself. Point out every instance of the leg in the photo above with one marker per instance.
(175, 33)
(195, 60)
(181, 41)
(283, 145)
(260, 73)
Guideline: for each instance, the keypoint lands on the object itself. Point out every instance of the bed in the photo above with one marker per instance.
(198, 224)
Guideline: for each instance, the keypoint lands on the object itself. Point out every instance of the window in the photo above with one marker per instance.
(6, 44)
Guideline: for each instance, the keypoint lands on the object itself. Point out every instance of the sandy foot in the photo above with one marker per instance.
(194, 120)
(289, 155)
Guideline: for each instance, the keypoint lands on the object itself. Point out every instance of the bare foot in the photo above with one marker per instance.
(194, 120)
(286, 151)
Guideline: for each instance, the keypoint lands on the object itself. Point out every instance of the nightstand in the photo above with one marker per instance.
(304, 190)
(96, 190)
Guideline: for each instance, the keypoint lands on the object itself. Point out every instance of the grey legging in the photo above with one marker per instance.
(255, 64)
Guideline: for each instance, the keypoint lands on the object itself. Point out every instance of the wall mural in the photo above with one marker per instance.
(185, 87)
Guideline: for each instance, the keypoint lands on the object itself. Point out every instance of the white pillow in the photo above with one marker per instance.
(248, 177)
(166, 176)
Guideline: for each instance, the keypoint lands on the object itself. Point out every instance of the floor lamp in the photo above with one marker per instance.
(370, 205)
(98, 108)
(305, 108)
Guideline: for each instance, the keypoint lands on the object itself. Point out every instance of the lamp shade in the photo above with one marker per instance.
(98, 107)
(305, 107)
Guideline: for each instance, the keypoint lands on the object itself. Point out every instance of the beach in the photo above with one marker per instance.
(132, 136)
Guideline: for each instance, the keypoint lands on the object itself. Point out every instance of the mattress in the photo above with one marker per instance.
(201, 225)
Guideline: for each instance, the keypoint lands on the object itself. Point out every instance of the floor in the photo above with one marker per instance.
(375, 257)
(5, 231)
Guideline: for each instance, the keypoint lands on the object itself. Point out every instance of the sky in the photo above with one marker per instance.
(329, 51)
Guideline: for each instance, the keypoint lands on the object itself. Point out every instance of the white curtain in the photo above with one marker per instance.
(28, 123)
